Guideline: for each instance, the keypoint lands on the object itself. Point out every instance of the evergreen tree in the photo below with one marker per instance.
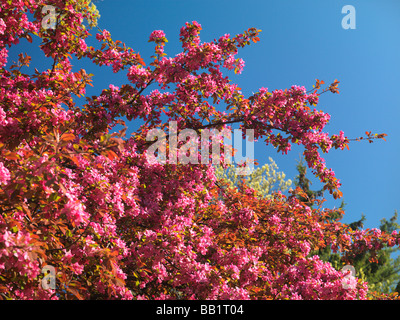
(304, 183)
(383, 273)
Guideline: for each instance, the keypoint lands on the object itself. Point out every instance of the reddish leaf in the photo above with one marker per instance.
(67, 137)
(11, 155)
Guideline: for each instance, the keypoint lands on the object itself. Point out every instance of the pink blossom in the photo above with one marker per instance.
(157, 35)
(83, 44)
(138, 75)
(103, 36)
(2, 26)
(75, 212)
(77, 268)
(4, 174)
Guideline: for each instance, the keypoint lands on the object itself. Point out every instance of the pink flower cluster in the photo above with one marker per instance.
(16, 253)
(104, 35)
(289, 113)
(157, 36)
(4, 174)
(312, 278)
(139, 76)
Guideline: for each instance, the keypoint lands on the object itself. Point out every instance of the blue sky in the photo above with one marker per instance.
(300, 41)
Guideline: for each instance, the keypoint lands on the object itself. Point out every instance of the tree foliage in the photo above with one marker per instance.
(265, 180)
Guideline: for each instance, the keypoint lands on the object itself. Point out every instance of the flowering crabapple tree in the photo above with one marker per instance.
(81, 197)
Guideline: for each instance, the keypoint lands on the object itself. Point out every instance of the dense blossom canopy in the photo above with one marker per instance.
(84, 199)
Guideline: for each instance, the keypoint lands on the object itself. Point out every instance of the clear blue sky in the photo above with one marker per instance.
(300, 41)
